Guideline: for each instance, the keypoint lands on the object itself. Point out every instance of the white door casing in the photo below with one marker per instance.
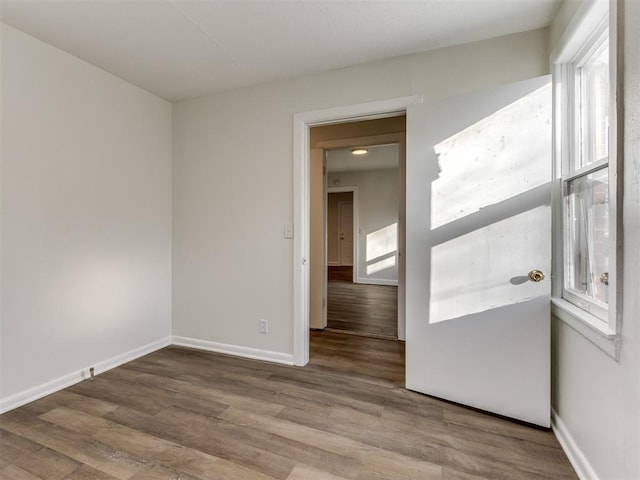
(316, 257)
(478, 179)
(301, 178)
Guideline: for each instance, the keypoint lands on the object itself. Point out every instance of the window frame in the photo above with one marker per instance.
(599, 323)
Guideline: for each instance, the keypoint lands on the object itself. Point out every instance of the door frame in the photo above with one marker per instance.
(356, 225)
(301, 166)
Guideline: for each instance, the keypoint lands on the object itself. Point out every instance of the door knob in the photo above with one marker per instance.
(536, 276)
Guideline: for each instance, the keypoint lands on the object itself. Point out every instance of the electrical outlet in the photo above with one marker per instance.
(263, 326)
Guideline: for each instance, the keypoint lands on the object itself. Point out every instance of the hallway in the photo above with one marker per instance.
(370, 310)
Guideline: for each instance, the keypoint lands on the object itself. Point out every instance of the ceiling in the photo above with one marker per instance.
(378, 157)
(181, 49)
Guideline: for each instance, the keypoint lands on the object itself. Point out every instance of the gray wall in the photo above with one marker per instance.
(596, 398)
(86, 219)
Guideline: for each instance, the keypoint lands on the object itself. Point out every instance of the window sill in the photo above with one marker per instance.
(586, 325)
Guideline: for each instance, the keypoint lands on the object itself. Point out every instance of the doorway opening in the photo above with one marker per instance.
(362, 230)
(306, 164)
(356, 218)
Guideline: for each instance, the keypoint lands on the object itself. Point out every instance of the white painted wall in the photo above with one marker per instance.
(377, 218)
(86, 219)
(596, 398)
(563, 16)
(233, 180)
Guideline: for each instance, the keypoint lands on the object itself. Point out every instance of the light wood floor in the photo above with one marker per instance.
(359, 308)
(185, 414)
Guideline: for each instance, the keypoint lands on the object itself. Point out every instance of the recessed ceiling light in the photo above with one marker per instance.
(359, 151)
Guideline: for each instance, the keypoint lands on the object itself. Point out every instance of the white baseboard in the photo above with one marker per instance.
(57, 384)
(578, 461)
(60, 383)
(377, 281)
(246, 352)
(333, 264)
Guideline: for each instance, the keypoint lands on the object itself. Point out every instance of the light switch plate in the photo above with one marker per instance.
(263, 326)
(288, 230)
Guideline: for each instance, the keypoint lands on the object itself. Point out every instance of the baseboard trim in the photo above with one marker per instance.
(578, 460)
(236, 350)
(375, 281)
(60, 383)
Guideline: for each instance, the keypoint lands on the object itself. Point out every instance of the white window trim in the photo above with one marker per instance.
(604, 334)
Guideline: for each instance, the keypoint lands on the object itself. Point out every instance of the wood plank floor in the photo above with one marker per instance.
(359, 308)
(186, 414)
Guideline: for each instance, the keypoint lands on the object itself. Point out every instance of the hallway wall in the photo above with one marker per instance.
(377, 222)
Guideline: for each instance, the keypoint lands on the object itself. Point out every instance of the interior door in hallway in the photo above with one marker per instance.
(345, 222)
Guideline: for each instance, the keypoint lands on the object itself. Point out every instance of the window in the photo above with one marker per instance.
(584, 209)
(586, 181)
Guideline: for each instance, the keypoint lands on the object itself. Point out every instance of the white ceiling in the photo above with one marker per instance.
(181, 49)
(378, 157)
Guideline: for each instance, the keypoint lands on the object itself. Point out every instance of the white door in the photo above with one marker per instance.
(478, 221)
(345, 222)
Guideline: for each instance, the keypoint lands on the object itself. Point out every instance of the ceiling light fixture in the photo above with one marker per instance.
(359, 151)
